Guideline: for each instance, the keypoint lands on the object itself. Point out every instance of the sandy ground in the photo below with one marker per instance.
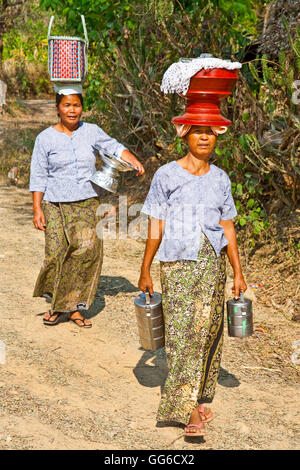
(68, 388)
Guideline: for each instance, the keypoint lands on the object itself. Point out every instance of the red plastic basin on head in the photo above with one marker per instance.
(206, 91)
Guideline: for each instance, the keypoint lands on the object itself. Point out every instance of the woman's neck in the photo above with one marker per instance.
(195, 165)
(66, 129)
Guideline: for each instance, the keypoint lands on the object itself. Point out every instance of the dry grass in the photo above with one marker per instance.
(26, 79)
(16, 150)
(20, 125)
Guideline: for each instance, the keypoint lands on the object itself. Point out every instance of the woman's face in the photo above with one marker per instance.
(201, 141)
(70, 110)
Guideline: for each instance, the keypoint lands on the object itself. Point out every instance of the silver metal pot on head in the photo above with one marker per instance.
(109, 175)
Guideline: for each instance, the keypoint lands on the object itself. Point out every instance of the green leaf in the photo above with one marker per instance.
(239, 190)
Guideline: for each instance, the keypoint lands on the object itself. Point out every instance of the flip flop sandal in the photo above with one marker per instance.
(195, 434)
(205, 418)
(53, 322)
(81, 326)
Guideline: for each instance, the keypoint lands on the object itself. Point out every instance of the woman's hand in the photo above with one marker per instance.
(155, 230)
(39, 219)
(129, 158)
(145, 282)
(239, 285)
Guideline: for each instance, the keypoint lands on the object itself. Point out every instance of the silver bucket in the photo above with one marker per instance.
(109, 175)
(150, 320)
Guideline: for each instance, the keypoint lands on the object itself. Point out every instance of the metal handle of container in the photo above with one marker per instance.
(148, 304)
(241, 297)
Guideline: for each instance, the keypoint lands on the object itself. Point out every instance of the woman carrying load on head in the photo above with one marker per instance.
(65, 204)
(192, 273)
(191, 212)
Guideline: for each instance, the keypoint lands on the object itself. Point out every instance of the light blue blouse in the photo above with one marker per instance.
(61, 165)
(190, 205)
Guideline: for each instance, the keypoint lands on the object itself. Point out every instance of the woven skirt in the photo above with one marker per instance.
(73, 255)
(193, 306)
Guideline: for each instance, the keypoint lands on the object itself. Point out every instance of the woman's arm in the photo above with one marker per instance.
(38, 215)
(38, 181)
(155, 232)
(233, 255)
(104, 142)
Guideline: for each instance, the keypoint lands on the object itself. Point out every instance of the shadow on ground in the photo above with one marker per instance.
(109, 285)
(151, 371)
(226, 379)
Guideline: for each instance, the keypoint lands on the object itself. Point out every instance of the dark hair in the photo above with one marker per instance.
(60, 97)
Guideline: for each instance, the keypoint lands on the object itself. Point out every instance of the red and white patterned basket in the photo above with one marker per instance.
(67, 56)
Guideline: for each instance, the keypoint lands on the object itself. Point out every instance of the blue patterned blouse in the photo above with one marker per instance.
(189, 205)
(61, 165)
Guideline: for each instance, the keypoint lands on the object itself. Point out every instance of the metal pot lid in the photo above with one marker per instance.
(239, 301)
(201, 56)
(155, 300)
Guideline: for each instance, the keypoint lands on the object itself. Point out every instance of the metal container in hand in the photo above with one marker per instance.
(240, 317)
(109, 175)
(149, 315)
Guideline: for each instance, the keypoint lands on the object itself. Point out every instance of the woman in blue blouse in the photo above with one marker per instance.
(64, 207)
(191, 210)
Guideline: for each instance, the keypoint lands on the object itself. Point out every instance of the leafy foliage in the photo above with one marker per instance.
(131, 45)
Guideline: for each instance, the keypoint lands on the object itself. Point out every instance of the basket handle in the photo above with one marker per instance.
(85, 31)
(50, 26)
(83, 24)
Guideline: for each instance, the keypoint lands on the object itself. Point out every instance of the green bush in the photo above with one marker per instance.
(25, 55)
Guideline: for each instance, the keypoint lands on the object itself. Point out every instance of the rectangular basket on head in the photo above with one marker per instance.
(67, 56)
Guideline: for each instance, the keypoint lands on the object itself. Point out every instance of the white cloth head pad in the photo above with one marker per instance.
(183, 129)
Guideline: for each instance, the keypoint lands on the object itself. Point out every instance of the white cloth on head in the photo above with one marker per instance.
(183, 129)
(177, 77)
(217, 130)
(68, 89)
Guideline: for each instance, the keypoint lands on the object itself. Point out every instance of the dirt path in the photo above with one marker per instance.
(66, 388)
